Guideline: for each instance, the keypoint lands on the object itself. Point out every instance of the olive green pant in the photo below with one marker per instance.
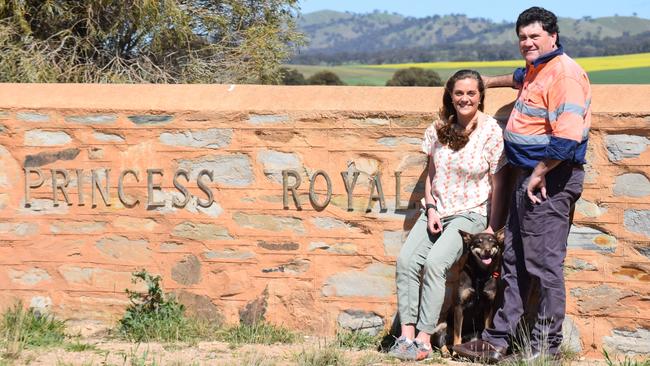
(432, 255)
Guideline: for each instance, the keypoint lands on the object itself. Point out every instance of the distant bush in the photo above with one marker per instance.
(292, 77)
(325, 78)
(415, 76)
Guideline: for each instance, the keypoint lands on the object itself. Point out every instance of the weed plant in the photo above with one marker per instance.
(356, 340)
(154, 316)
(627, 361)
(21, 328)
(321, 356)
(256, 333)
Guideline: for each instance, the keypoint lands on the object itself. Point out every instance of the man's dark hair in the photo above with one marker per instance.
(546, 18)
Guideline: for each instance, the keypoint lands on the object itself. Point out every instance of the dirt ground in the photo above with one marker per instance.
(110, 352)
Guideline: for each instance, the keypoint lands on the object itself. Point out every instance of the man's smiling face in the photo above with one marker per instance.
(534, 41)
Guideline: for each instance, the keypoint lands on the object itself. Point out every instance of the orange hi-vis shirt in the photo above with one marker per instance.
(552, 115)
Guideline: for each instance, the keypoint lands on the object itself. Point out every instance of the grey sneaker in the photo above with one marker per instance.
(422, 351)
(404, 350)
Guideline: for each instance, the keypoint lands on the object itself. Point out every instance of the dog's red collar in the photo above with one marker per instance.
(495, 274)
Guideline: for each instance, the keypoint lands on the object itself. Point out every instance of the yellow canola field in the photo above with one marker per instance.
(588, 63)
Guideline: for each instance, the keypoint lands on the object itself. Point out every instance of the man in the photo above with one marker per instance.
(546, 141)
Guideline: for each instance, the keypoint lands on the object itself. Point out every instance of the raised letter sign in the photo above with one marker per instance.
(120, 188)
(181, 188)
(94, 185)
(205, 188)
(312, 195)
(151, 186)
(286, 188)
(349, 186)
(398, 192)
(376, 181)
(29, 184)
(63, 187)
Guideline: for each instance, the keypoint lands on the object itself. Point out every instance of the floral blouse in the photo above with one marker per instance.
(461, 182)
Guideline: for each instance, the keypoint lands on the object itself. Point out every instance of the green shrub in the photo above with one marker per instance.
(627, 361)
(415, 76)
(292, 77)
(325, 78)
(154, 316)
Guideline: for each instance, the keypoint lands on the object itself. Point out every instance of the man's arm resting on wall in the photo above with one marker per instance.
(500, 81)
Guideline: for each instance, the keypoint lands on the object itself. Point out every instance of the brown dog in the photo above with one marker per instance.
(479, 284)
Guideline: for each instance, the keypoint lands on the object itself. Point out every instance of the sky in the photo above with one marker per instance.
(496, 10)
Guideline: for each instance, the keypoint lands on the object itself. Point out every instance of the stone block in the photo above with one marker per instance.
(632, 185)
(232, 170)
(286, 246)
(571, 339)
(45, 158)
(294, 267)
(621, 147)
(21, 229)
(228, 254)
(589, 209)
(123, 248)
(361, 321)
(92, 119)
(274, 162)
(330, 223)
(187, 271)
(46, 138)
(213, 138)
(371, 122)
(32, 117)
(581, 237)
(337, 248)
(269, 222)
(629, 342)
(393, 241)
(602, 299)
(268, 119)
(107, 137)
(42, 207)
(30, 277)
(128, 223)
(395, 141)
(199, 231)
(378, 280)
(41, 304)
(231, 282)
(200, 306)
(77, 227)
(150, 119)
(637, 221)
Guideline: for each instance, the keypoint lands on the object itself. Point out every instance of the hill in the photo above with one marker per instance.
(381, 37)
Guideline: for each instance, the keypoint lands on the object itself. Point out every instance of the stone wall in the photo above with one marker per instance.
(244, 255)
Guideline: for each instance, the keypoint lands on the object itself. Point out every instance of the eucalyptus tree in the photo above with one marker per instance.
(146, 41)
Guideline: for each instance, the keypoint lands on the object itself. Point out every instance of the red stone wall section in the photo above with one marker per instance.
(224, 242)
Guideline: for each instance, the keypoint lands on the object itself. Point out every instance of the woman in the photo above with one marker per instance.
(465, 149)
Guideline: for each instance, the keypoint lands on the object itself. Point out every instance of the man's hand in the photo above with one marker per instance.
(537, 182)
(433, 221)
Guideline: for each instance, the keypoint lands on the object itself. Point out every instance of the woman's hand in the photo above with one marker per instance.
(433, 221)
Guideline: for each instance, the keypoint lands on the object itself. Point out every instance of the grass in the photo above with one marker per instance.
(80, 347)
(622, 69)
(257, 333)
(321, 356)
(21, 328)
(627, 361)
(356, 340)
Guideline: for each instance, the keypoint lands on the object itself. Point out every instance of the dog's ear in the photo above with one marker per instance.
(467, 238)
(501, 235)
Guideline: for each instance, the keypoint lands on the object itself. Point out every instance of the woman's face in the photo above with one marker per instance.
(466, 97)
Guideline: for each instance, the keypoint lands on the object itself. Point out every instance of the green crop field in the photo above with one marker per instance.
(623, 69)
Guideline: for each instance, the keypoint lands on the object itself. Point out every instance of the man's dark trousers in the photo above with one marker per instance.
(535, 246)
